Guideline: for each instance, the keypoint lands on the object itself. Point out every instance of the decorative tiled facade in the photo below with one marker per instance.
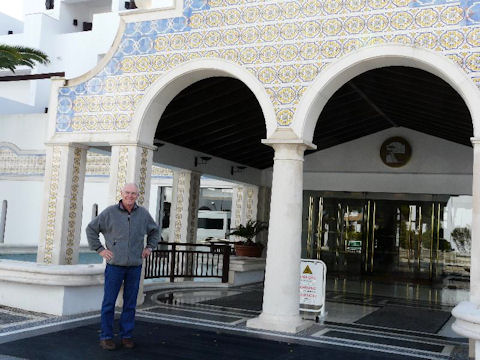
(143, 176)
(121, 171)
(52, 205)
(238, 193)
(18, 163)
(15, 162)
(285, 44)
(72, 212)
(179, 206)
(251, 204)
(193, 207)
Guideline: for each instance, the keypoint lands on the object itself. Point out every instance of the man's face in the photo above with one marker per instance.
(129, 195)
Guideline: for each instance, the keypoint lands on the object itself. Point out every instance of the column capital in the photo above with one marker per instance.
(286, 136)
(138, 144)
(287, 145)
(69, 144)
(475, 140)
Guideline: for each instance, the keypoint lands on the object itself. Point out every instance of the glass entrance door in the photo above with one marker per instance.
(375, 237)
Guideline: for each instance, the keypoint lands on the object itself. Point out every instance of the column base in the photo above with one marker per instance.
(288, 324)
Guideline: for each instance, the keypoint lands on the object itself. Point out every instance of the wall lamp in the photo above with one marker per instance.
(202, 160)
(158, 143)
(237, 169)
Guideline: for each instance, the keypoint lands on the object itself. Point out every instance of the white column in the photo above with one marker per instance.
(263, 211)
(475, 250)
(131, 163)
(184, 208)
(62, 204)
(282, 276)
(467, 313)
(244, 204)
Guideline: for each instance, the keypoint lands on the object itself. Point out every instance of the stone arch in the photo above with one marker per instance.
(369, 58)
(162, 91)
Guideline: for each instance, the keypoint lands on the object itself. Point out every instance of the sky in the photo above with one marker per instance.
(13, 8)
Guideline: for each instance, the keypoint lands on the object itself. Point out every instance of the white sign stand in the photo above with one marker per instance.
(313, 278)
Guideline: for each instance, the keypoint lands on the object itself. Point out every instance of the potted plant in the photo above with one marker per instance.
(248, 231)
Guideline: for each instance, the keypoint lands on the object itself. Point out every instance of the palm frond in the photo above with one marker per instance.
(13, 56)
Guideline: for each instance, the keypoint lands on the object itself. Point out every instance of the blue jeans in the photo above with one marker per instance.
(114, 277)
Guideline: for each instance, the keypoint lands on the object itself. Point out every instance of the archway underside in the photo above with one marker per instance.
(221, 116)
(393, 96)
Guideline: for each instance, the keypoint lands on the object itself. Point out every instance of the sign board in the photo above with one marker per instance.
(312, 285)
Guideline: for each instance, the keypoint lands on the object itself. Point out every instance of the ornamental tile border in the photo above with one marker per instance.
(19, 163)
(285, 44)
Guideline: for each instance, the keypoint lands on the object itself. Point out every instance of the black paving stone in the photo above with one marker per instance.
(251, 300)
(195, 315)
(385, 341)
(407, 318)
(169, 342)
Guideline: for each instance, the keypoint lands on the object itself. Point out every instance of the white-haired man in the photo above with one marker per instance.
(124, 227)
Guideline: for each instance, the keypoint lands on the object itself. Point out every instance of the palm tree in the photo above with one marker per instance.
(13, 56)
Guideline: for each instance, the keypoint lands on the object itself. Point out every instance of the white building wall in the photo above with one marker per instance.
(436, 167)
(9, 23)
(27, 131)
(24, 206)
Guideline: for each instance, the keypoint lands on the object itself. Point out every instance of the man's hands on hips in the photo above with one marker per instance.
(146, 252)
(106, 254)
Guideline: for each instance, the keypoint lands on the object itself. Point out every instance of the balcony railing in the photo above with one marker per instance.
(186, 260)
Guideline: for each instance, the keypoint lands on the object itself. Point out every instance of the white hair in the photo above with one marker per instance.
(130, 184)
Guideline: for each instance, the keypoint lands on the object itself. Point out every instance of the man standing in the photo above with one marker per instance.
(124, 227)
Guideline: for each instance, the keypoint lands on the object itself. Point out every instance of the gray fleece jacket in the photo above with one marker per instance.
(124, 233)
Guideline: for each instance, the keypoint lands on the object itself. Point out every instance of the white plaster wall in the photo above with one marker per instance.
(93, 193)
(18, 91)
(436, 166)
(24, 209)
(27, 131)
(79, 52)
(70, 49)
(10, 23)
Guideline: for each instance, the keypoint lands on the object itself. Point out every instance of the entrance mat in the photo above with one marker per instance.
(384, 341)
(194, 314)
(407, 318)
(251, 300)
(162, 341)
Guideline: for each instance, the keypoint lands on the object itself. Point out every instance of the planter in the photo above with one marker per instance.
(248, 250)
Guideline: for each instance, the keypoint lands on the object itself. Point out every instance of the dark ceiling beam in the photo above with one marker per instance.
(200, 87)
(338, 137)
(443, 134)
(237, 137)
(416, 76)
(355, 106)
(333, 127)
(230, 106)
(208, 138)
(418, 92)
(258, 157)
(372, 104)
(176, 107)
(419, 113)
(214, 125)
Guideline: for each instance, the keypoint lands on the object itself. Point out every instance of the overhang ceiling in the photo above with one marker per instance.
(221, 116)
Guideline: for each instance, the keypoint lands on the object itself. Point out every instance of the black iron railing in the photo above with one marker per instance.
(185, 260)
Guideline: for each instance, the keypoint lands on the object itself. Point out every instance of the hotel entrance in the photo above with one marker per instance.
(387, 236)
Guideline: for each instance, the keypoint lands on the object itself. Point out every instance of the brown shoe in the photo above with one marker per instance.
(128, 343)
(107, 344)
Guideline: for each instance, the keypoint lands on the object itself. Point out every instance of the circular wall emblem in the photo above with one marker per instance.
(395, 151)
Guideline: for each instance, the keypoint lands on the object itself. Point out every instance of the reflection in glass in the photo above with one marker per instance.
(400, 236)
